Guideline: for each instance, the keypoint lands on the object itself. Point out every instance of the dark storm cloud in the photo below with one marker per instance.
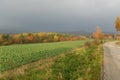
(58, 15)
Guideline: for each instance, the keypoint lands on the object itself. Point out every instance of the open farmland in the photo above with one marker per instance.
(17, 55)
(84, 63)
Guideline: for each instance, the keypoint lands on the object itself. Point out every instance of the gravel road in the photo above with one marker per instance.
(111, 61)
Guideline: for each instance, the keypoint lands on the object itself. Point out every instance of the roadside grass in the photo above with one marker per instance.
(118, 43)
(83, 65)
(78, 64)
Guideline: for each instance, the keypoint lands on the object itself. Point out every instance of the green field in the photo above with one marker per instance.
(84, 63)
(17, 55)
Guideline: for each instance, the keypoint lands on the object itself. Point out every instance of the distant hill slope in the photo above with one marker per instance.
(77, 33)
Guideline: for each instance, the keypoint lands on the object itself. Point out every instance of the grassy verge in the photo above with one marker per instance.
(85, 65)
(80, 64)
(118, 43)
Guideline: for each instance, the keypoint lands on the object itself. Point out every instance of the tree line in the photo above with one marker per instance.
(41, 37)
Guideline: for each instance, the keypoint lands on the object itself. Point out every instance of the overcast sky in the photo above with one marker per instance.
(58, 15)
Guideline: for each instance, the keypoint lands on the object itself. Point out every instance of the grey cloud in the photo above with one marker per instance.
(58, 15)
